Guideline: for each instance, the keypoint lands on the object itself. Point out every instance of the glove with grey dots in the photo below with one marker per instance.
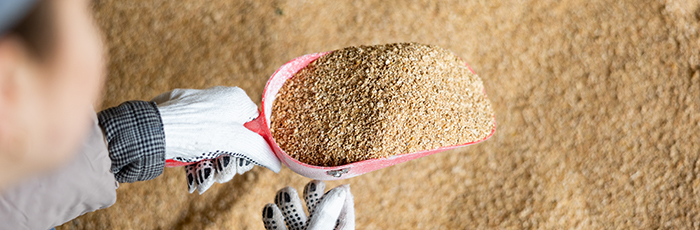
(202, 175)
(204, 130)
(333, 210)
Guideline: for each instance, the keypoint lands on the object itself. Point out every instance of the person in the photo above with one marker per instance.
(59, 160)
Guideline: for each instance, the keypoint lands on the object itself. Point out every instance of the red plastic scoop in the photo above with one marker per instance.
(261, 125)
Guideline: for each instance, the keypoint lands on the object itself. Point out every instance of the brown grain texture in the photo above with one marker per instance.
(597, 103)
(370, 102)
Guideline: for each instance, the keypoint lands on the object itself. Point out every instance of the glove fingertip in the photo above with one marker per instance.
(287, 199)
(346, 219)
(272, 217)
(224, 177)
(313, 191)
(337, 193)
(191, 178)
(243, 165)
(201, 188)
(345, 187)
(225, 168)
(205, 175)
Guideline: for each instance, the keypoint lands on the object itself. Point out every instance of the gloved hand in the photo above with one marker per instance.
(332, 210)
(204, 128)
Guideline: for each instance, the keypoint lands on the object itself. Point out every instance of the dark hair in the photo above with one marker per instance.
(37, 29)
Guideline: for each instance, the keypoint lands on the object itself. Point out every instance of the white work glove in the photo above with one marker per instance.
(332, 210)
(205, 127)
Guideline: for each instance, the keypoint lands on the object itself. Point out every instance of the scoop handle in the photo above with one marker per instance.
(257, 125)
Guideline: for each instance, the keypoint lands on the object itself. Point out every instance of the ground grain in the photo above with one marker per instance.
(370, 102)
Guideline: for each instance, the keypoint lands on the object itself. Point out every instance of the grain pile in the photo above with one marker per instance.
(371, 102)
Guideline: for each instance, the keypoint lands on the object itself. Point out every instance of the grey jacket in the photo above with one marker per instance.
(125, 144)
(83, 185)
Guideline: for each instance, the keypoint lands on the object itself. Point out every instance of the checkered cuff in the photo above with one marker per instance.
(135, 140)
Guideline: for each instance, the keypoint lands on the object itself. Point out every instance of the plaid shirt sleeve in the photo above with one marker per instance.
(135, 140)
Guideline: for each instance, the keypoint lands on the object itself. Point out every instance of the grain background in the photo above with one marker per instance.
(597, 104)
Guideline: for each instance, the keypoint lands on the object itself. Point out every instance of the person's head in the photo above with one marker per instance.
(51, 73)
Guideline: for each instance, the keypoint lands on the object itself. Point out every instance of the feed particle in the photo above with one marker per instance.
(370, 102)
